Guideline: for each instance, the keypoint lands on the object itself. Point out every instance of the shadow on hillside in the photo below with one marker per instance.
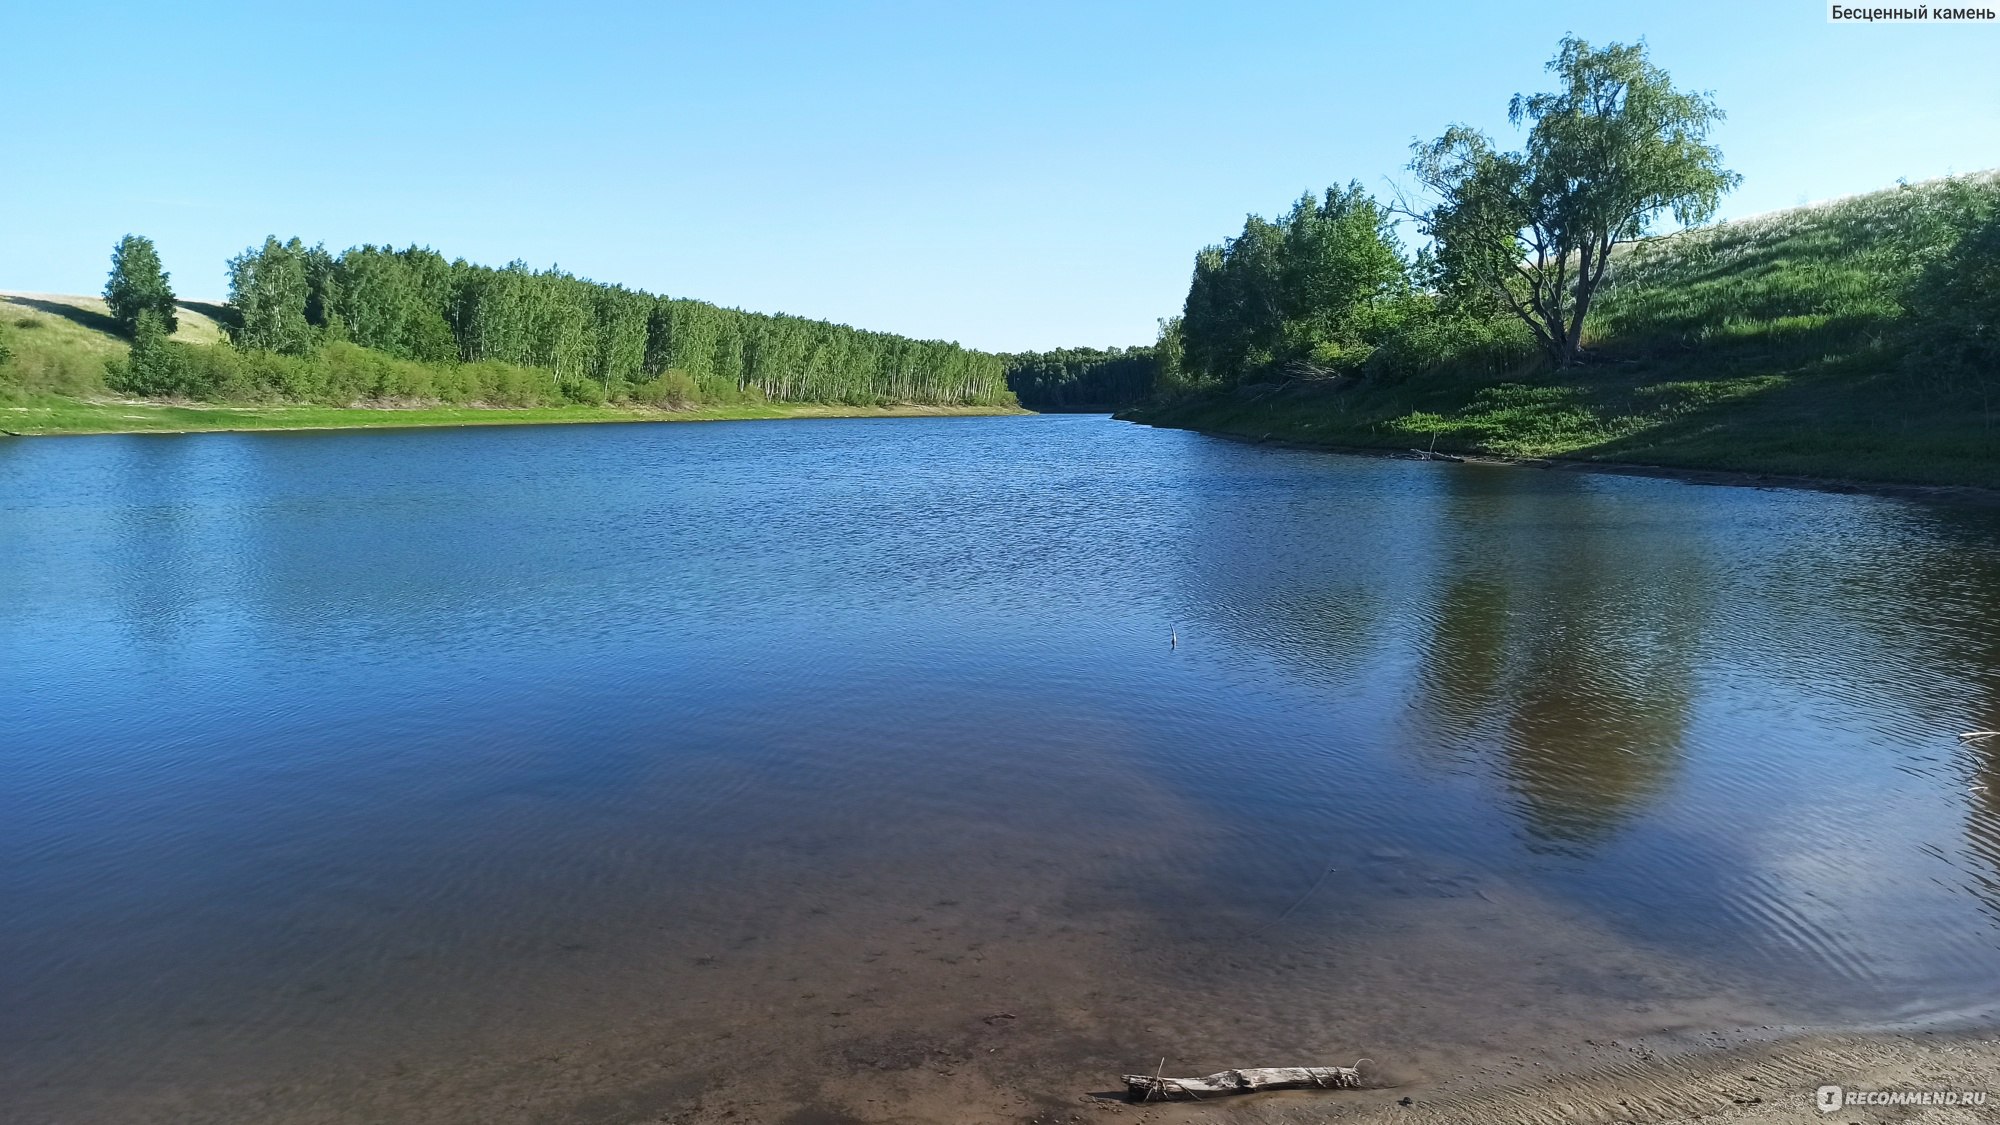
(101, 322)
(95, 321)
(1840, 426)
(219, 313)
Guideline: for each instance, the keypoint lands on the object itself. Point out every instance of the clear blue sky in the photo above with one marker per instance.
(1008, 175)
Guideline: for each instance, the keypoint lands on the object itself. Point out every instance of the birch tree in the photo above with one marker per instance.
(1609, 153)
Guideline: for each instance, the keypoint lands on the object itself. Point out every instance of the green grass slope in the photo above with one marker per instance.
(1770, 345)
(59, 343)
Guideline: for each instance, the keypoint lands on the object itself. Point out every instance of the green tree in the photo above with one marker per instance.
(618, 349)
(154, 367)
(1609, 153)
(269, 289)
(138, 285)
(323, 294)
(1311, 293)
(373, 298)
(1341, 273)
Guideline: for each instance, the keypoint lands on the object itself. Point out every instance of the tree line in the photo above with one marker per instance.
(299, 313)
(1079, 378)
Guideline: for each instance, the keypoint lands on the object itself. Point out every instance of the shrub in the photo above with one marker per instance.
(584, 392)
(1434, 337)
(671, 389)
(502, 384)
(155, 366)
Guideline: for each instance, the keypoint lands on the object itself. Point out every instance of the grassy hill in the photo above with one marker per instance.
(60, 343)
(1776, 344)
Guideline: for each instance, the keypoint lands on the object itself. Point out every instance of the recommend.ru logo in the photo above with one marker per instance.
(1830, 1098)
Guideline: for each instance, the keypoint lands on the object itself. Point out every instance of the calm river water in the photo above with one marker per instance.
(823, 771)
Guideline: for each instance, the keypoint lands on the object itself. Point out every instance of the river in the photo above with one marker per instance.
(870, 770)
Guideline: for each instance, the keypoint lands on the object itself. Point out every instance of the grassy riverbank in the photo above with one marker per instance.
(59, 347)
(72, 416)
(1848, 423)
(1778, 344)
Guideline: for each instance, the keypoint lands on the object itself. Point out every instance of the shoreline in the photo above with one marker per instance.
(1735, 478)
(76, 418)
(1752, 1076)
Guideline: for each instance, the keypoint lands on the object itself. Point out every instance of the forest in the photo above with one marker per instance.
(380, 324)
(1082, 378)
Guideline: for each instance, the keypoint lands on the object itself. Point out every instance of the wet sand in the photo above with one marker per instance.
(878, 1000)
(1737, 1078)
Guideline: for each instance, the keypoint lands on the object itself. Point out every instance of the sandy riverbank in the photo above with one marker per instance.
(1752, 1077)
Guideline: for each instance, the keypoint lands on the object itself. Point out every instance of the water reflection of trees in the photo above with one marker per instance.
(1534, 621)
(159, 537)
(1562, 636)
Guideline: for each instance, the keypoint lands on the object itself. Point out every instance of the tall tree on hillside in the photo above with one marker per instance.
(1608, 153)
(269, 289)
(138, 285)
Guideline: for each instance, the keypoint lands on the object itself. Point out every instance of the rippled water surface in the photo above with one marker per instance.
(824, 771)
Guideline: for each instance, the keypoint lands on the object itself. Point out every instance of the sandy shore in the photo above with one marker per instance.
(1743, 1079)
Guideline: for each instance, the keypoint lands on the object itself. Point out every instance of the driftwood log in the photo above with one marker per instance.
(1434, 455)
(1149, 1087)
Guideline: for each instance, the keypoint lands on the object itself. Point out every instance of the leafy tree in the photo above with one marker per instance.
(323, 294)
(154, 366)
(138, 285)
(618, 351)
(1170, 360)
(1611, 151)
(269, 290)
(433, 284)
(1342, 271)
(373, 298)
(1312, 292)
